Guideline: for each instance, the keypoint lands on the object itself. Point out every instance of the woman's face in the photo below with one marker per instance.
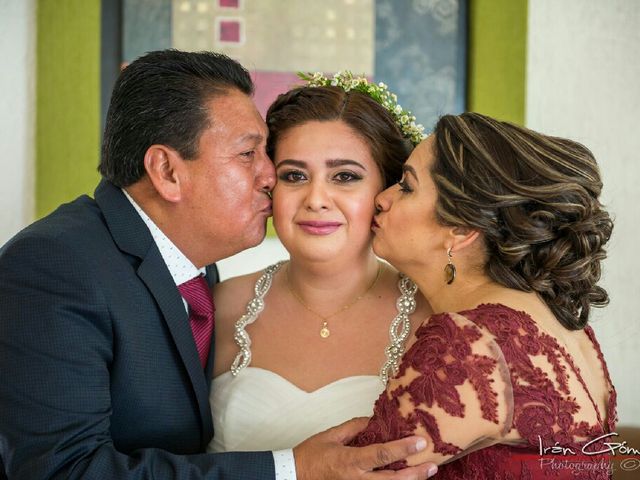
(323, 201)
(406, 230)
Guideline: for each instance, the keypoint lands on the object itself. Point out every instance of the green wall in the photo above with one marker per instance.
(68, 99)
(497, 58)
(68, 86)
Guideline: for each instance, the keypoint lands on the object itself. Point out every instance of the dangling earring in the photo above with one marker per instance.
(449, 269)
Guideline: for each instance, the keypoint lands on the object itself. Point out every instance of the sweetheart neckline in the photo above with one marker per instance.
(293, 385)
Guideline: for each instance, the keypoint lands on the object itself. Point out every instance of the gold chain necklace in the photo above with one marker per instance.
(324, 330)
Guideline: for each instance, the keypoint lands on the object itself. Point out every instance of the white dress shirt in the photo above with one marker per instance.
(182, 270)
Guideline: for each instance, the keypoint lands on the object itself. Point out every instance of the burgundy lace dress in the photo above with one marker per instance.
(517, 385)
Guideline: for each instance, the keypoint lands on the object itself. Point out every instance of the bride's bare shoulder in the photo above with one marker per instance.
(232, 295)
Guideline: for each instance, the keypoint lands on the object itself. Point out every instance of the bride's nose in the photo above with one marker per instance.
(317, 197)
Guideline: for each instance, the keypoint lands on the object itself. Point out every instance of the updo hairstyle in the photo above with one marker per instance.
(535, 199)
(367, 118)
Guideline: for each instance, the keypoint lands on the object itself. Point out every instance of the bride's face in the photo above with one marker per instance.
(407, 233)
(323, 201)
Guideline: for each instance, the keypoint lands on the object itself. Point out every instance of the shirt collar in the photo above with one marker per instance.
(180, 267)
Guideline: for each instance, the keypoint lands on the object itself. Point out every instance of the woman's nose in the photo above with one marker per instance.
(318, 197)
(383, 200)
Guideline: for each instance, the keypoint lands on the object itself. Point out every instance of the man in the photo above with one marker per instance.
(105, 332)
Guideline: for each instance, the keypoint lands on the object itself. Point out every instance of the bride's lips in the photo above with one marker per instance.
(319, 228)
(374, 224)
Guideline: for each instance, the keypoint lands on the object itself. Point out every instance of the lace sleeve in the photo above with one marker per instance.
(452, 387)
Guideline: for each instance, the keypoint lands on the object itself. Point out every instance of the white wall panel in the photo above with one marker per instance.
(17, 115)
(268, 252)
(583, 82)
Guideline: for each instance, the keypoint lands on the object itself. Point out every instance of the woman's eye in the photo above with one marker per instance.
(404, 186)
(292, 176)
(346, 177)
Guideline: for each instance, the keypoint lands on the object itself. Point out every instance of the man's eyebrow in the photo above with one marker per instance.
(410, 170)
(341, 162)
(255, 137)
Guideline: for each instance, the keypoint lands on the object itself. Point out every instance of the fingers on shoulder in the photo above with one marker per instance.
(391, 454)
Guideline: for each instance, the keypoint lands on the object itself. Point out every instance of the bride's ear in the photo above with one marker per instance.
(461, 238)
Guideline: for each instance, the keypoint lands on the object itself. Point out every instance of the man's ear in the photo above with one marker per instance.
(461, 238)
(162, 165)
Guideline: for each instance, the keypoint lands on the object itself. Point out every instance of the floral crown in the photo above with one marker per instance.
(379, 93)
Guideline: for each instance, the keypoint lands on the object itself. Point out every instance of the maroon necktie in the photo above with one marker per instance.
(201, 309)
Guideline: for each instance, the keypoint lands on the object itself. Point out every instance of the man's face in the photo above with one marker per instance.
(225, 188)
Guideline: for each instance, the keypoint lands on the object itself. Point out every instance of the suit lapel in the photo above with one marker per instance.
(157, 278)
(132, 236)
(212, 278)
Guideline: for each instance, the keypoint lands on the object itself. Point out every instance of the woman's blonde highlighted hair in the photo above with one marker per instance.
(535, 198)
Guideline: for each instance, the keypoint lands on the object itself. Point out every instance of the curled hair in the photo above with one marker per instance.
(365, 116)
(535, 199)
(161, 98)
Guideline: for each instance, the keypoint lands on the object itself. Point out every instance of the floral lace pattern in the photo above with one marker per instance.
(541, 407)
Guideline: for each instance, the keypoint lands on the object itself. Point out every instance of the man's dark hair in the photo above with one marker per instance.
(160, 98)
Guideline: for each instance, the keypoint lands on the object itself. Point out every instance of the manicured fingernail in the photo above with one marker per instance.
(432, 471)
(421, 444)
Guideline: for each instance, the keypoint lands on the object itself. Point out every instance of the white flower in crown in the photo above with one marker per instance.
(378, 92)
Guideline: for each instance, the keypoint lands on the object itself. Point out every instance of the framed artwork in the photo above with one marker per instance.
(417, 47)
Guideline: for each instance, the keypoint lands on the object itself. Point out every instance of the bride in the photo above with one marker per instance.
(308, 344)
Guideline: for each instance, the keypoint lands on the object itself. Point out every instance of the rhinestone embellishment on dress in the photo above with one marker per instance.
(398, 330)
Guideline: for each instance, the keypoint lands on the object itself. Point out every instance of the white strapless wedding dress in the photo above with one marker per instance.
(260, 410)
(257, 409)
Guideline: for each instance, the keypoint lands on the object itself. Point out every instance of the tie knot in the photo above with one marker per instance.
(197, 294)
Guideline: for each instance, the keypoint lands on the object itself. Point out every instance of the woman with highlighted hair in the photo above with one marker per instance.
(503, 232)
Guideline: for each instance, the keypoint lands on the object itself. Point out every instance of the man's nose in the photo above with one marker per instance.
(267, 176)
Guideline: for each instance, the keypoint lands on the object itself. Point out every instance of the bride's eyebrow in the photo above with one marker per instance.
(292, 163)
(341, 162)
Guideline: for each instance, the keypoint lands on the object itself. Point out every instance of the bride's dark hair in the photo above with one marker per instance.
(535, 199)
(368, 119)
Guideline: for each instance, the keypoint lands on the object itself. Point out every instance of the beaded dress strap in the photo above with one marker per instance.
(254, 307)
(398, 330)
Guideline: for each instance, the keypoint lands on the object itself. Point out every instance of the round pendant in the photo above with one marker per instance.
(324, 332)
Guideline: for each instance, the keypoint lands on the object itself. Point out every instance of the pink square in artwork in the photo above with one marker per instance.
(230, 31)
(229, 3)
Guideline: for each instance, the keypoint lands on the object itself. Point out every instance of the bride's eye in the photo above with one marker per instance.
(346, 177)
(292, 176)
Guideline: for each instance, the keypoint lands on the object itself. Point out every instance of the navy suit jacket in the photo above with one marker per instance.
(100, 376)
